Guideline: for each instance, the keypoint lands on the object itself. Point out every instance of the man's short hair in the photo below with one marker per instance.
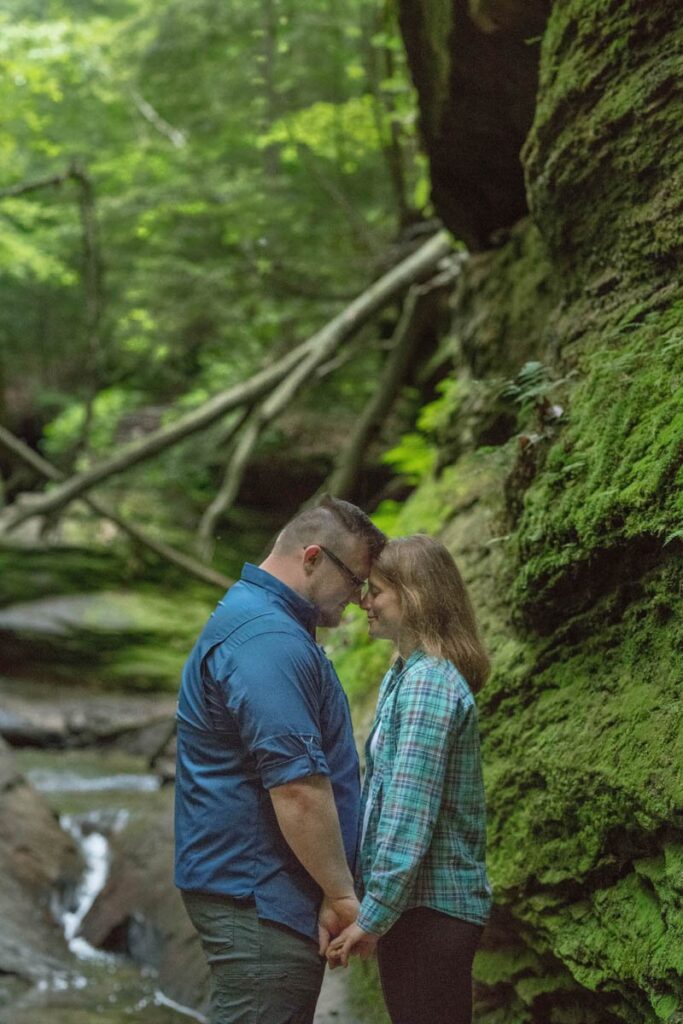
(331, 521)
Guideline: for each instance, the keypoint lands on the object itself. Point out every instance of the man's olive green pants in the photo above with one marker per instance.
(262, 972)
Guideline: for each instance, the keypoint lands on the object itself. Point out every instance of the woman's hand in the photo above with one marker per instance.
(352, 940)
(334, 916)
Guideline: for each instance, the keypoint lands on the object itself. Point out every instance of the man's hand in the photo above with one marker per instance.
(334, 916)
(352, 940)
(307, 816)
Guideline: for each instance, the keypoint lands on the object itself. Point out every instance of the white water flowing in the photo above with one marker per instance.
(90, 831)
(94, 847)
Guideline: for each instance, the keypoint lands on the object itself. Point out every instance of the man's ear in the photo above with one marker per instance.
(312, 554)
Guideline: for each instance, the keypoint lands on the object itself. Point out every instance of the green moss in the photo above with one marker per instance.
(604, 181)
(614, 474)
(493, 967)
(121, 639)
(495, 337)
(579, 585)
(29, 574)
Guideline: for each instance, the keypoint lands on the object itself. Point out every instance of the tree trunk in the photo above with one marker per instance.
(416, 315)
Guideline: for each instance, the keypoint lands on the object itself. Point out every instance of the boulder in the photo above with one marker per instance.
(134, 640)
(35, 715)
(139, 912)
(36, 860)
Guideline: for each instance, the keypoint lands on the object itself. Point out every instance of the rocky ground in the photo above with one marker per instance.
(138, 914)
(36, 859)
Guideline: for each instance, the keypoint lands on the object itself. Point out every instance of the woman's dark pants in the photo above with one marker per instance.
(425, 966)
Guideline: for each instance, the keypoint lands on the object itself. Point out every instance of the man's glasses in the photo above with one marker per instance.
(351, 576)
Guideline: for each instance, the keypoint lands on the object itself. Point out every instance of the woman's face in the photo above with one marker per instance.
(381, 602)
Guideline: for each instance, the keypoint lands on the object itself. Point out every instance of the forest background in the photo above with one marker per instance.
(196, 196)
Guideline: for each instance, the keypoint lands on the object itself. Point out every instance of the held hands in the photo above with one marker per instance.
(334, 916)
(352, 940)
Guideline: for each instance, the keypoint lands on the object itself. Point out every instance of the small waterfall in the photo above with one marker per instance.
(90, 833)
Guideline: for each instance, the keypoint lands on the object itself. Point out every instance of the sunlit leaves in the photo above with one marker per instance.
(29, 261)
(339, 132)
(109, 406)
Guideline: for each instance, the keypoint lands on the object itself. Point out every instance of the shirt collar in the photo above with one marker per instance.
(400, 665)
(303, 610)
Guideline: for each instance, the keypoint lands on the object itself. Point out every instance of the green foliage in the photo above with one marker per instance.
(360, 662)
(413, 457)
(436, 416)
(530, 389)
(215, 243)
(109, 405)
(366, 993)
(344, 134)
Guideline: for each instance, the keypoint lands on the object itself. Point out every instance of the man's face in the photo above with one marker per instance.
(332, 584)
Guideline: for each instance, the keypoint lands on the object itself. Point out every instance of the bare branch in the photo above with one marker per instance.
(174, 135)
(165, 551)
(32, 186)
(222, 500)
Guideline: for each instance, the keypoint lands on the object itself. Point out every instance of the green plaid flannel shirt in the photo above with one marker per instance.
(425, 833)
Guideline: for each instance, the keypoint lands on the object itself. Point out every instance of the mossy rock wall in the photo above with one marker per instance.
(564, 505)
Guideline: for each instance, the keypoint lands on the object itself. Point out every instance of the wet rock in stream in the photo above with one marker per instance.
(36, 859)
(140, 913)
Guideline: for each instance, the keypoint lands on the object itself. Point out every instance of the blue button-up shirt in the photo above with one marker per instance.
(260, 705)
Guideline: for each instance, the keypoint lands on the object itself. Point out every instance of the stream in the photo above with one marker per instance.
(95, 795)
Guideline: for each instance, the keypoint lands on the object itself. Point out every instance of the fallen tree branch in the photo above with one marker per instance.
(31, 186)
(165, 551)
(417, 266)
(222, 501)
(415, 316)
(273, 404)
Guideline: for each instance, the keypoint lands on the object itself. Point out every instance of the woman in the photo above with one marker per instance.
(426, 895)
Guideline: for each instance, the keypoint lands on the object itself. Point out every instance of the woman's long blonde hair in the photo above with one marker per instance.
(437, 613)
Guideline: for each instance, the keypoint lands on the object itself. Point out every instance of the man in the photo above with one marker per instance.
(267, 784)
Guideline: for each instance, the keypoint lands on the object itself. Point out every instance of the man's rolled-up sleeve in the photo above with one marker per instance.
(271, 685)
(286, 758)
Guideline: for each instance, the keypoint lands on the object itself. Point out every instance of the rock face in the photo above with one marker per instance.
(108, 638)
(475, 65)
(140, 913)
(38, 715)
(559, 489)
(35, 858)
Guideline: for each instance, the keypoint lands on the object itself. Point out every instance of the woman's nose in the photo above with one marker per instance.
(364, 600)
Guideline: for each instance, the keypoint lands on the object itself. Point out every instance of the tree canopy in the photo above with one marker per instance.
(188, 192)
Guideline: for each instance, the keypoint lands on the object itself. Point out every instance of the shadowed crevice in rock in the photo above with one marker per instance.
(476, 72)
